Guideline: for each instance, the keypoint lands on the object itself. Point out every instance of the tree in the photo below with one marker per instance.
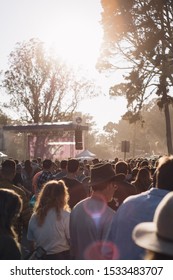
(110, 129)
(42, 88)
(147, 137)
(3, 118)
(140, 32)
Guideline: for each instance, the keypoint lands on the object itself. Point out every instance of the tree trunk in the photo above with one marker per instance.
(168, 129)
(165, 97)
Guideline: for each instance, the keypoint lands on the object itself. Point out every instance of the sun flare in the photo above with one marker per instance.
(71, 29)
(75, 33)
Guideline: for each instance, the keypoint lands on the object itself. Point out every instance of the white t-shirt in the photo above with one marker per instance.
(53, 235)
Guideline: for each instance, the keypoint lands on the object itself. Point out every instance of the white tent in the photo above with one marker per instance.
(2, 155)
(86, 154)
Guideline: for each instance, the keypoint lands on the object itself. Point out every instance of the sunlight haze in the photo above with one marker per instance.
(72, 30)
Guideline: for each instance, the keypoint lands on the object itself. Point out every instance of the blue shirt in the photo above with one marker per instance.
(44, 177)
(134, 210)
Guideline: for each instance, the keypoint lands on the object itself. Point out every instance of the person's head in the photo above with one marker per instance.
(47, 164)
(54, 194)
(115, 160)
(72, 165)
(143, 173)
(80, 170)
(27, 164)
(102, 180)
(63, 164)
(121, 167)
(10, 209)
(8, 169)
(95, 161)
(143, 179)
(39, 160)
(157, 236)
(164, 173)
(16, 161)
(34, 160)
(18, 168)
(132, 164)
(134, 173)
(144, 163)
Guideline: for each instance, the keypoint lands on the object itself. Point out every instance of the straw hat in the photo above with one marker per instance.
(157, 236)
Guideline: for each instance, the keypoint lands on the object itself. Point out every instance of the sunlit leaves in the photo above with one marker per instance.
(146, 27)
(42, 87)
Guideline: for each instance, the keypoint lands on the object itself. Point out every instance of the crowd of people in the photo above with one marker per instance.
(86, 210)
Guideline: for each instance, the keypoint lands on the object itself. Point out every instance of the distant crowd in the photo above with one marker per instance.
(86, 210)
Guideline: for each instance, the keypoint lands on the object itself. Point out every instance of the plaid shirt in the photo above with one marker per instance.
(44, 177)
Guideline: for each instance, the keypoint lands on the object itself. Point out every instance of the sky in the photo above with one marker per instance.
(72, 28)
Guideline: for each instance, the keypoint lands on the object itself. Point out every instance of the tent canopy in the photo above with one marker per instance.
(2, 155)
(86, 154)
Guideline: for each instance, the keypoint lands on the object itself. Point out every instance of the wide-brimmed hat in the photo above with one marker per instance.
(157, 236)
(102, 172)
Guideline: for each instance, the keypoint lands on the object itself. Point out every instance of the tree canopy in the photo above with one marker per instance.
(139, 33)
(41, 87)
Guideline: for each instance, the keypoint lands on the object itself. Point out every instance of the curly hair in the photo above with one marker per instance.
(54, 194)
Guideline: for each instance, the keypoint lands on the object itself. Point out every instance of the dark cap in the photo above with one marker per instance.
(102, 172)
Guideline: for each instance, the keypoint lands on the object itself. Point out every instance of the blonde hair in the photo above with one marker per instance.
(54, 194)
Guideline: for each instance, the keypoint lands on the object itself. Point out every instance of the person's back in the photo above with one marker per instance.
(75, 188)
(49, 224)
(10, 207)
(90, 221)
(63, 170)
(143, 180)
(124, 188)
(27, 174)
(6, 182)
(139, 208)
(156, 236)
(18, 181)
(45, 175)
(134, 210)
(91, 218)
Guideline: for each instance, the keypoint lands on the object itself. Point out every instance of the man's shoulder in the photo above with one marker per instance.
(80, 204)
(150, 194)
(133, 199)
(128, 184)
(45, 174)
(72, 181)
(10, 186)
(60, 175)
(124, 187)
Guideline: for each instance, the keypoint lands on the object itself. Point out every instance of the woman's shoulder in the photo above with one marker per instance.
(33, 218)
(64, 215)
